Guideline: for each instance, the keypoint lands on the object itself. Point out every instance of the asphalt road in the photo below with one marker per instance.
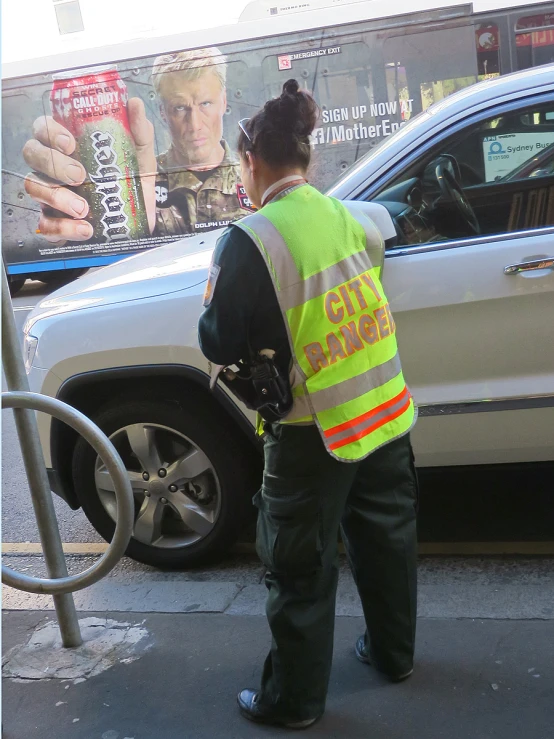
(18, 522)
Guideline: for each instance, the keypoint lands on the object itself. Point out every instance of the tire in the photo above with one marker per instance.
(15, 285)
(223, 493)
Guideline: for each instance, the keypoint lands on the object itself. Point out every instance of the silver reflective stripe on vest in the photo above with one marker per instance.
(320, 283)
(297, 291)
(324, 400)
(273, 244)
(374, 244)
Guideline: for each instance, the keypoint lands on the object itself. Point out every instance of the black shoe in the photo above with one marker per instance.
(248, 706)
(362, 653)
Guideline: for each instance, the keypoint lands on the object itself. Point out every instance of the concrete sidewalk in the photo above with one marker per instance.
(475, 679)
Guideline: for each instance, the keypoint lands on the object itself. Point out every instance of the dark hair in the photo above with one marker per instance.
(280, 132)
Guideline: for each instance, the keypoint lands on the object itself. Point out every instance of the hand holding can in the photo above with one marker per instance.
(49, 154)
(102, 148)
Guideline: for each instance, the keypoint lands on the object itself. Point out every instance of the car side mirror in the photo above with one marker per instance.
(381, 219)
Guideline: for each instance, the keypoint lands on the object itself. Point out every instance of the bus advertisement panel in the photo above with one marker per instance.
(103, 162)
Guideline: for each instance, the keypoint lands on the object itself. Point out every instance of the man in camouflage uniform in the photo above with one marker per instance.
(198, 183)
(195, 204)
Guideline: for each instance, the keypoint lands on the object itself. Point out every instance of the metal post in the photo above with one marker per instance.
(41, 495)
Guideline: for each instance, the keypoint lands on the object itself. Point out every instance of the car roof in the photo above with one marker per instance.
(491, 89)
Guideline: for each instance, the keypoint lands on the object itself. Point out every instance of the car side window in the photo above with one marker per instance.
(495, 177)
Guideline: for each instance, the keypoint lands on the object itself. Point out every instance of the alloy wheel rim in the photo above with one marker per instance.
(176, 489)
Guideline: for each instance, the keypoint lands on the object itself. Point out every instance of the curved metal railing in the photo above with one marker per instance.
(124, 496)
(24, 403)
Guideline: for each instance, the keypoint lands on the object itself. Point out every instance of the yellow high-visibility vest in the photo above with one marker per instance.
(346, 372)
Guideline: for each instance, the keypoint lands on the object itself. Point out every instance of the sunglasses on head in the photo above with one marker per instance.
(242, 124)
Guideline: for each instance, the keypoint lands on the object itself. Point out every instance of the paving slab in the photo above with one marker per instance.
(243, 568)
(165, 597)
(450, 588)
(474, 679)
(454, 587)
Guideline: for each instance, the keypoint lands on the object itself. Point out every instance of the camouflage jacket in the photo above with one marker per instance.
(186, 205)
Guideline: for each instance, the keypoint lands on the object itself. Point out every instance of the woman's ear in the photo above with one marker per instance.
(252, 164)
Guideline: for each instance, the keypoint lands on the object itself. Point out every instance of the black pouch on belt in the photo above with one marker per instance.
(258, 384)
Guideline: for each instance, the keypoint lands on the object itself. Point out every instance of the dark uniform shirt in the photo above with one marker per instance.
(243, 307)
(192, 204)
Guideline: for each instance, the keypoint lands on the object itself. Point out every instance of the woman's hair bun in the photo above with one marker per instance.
(290, 87)
(280, 131)
(295, 110)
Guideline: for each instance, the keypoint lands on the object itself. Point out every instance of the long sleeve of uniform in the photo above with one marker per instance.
(242, 306)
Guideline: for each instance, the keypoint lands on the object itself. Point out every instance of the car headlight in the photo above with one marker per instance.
(30, 344)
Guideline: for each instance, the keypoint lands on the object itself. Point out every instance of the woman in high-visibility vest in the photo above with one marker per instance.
(295, 277)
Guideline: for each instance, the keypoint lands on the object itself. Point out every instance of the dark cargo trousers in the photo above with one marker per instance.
(306, 495)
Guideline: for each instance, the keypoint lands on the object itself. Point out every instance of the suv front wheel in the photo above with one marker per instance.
(192, 477)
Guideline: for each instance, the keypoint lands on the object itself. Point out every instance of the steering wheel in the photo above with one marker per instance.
(452, 191)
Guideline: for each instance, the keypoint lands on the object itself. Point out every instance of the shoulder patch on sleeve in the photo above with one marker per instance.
(244, 200)
(213, 274)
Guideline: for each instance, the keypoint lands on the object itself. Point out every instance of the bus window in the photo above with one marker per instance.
(535, 40)
(397, 87)
(15, 104)
(340, 78)
(414, 59)
(487, 43)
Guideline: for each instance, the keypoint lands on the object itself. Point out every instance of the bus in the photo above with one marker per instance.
(171, 106)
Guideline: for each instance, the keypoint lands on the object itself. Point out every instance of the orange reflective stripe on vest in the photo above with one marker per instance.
(357, 428)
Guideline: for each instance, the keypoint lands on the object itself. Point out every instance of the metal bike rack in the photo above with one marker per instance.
(60, 585)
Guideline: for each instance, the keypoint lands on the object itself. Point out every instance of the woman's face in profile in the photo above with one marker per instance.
(247, 172)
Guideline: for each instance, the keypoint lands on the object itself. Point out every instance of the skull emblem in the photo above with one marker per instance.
(161, 194)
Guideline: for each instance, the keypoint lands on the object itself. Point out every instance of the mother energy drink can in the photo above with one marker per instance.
(92, 105)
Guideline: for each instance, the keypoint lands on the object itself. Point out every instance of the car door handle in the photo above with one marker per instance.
(542, 263)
